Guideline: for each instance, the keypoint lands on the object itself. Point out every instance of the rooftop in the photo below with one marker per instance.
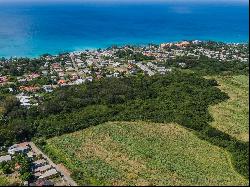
(5, 158)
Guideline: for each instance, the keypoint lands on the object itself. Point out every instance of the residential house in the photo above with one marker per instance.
(79, 81)
(19, 148)
(42, 169)
(48, 88)
(48, 174)
(39, 163)
(5, 158)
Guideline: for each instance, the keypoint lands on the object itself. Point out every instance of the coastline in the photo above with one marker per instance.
(81, 49)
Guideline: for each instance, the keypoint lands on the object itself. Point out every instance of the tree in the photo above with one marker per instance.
(26, 176)
(6, 167)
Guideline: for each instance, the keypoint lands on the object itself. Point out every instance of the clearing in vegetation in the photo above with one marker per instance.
(177, 97)
(143, 153)
(232, 116)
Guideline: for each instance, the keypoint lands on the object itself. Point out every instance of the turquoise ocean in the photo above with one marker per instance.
(34, 28)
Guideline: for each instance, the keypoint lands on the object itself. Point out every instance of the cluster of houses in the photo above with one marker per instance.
(220, 52)
(27, 77)
(84, 66)
(178, 44)
(160, 69)
(44, 173)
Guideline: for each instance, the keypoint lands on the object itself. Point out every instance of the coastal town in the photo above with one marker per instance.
(124, 93)
(30, 79)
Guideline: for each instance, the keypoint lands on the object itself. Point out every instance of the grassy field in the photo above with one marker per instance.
(232, 116)
(8, 181)
(140, 153)
(3, 180)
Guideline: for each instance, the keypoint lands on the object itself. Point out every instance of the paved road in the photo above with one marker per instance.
(145, 69)
(74, 63)
(66, 177)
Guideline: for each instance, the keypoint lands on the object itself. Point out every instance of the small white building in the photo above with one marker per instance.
(48, 174)
(48, 88)
(79, 81)
(116, 74)
(42, 168)
(5, 158)
(90, 78)
(18, 148)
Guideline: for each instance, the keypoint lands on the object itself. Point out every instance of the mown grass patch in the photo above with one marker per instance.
(140, 153)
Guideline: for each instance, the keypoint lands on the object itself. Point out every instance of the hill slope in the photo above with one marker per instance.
(232, 116)
(139, 153)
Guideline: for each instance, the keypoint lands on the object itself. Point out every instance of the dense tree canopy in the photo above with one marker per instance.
(208, 66)
(177, 97)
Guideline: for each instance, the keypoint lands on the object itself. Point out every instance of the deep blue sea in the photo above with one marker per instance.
(32, 29)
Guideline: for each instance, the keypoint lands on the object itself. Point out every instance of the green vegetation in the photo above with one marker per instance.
(7, 168)
(25, 65)
(8, 180)
(207, 66)
(175, 98)
(24, 164)
(3, 180)
(140, 153)
(232, 116)
(210, 148)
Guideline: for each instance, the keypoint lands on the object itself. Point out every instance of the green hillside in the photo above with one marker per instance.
(232, 116)
(140, 153)
(214, 151)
